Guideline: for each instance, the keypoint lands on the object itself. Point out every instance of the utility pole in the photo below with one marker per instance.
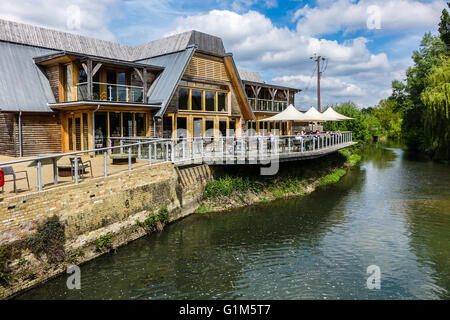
(319, 73)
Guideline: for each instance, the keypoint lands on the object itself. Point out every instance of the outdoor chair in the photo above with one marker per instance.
(82, 166)
(9, 171)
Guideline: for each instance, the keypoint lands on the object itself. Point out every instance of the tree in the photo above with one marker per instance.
(390, 120)
(436, 98)
(444, 27)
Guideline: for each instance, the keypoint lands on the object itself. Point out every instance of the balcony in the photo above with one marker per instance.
(265, 105)
(110, 92)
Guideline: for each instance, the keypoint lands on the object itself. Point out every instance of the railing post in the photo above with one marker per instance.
(39, 175)
(127, 93)
(167, 152)
(55, 171)
(289, 145)
(302, 142)
(184, 149)
(76, 177)
(149, 154)
(172, 149)
(105, 164)
(129, 159)
(110, 93)
(139, 150)
(121, 144)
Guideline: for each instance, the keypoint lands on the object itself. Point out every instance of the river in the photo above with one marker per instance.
(391, 211)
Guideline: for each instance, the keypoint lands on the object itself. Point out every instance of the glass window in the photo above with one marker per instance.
(96, 87)
(210, 100)
(183, 98)
(198, 127)
(223, 127)
(70, 131)
(85, 132)
(232, 129)
(209, 128)
(122, 90)
(128, 125)
(67, 82)
(196, 96)
(114, 124)
(101, 126)
(181, 127)
(111, 78)
(222, 101)
(140, 119)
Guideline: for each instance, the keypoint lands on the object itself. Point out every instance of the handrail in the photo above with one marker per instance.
(203, 149)
(111, 84)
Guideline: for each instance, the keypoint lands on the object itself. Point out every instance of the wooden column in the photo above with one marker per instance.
(89, 78)
(144, 85)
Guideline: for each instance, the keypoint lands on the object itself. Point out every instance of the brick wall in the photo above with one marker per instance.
(96, 203)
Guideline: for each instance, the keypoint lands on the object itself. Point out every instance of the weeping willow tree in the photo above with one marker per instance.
(436, 99)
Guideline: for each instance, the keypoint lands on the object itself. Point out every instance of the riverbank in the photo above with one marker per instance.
(96, 218)
(243, 186)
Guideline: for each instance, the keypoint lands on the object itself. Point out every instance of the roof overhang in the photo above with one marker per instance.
(66, 56)
(64, 105)
(269, 85)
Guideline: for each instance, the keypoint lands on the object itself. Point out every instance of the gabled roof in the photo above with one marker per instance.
(23, 85)
(165, 84)
(63, 41)
(179, 42)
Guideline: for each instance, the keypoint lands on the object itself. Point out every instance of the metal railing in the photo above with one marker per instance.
(211, 150)
(267, 105)
(110, 92)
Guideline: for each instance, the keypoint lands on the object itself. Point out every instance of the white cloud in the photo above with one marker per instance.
(353, 72)
(94, 15)
(329, 17)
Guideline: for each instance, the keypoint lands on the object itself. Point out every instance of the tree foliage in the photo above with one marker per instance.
(415, 97)
(436, 98)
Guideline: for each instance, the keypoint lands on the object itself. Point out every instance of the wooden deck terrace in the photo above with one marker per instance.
(141, 152)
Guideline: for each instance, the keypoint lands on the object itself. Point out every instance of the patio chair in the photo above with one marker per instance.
(9, 171)
(82, 166)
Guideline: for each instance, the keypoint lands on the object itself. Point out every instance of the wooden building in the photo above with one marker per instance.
(62, 92)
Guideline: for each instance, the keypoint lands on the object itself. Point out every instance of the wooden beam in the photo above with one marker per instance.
(144, 85)
(97, 67)
(89, 79)
(139, 74)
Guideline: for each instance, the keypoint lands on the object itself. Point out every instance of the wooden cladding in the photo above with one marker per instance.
(41, 134)
(206, 69)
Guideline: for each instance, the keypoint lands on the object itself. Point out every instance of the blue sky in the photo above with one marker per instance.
(368, 43)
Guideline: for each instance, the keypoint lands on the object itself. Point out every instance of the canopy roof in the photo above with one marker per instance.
(337, 116)
(290, 113)
(313, 115)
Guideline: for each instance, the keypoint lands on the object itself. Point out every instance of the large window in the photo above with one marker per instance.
(202, 97)
(223, 127)
(210, 101)
(140, 120)
(183, 98)
(128, 126)
(209, 127)
(181, 127)
(115, 124)
(222, 102)
(197, 97)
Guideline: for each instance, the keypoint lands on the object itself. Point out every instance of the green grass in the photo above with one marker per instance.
(264, 200)
(202, 209)
(332, 177)
(227, 185)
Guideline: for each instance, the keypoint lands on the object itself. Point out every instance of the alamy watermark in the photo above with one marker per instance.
(374, 17)
(374, 280)
(74, 280)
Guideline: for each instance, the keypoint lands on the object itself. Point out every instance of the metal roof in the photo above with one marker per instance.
(165, 84)
(52, 39)
(23, 85)
(249, 75)
(63, 41)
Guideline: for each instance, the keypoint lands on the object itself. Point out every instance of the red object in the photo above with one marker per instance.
(2, 178)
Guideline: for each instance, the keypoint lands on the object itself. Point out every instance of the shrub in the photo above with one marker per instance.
(103, 242)
(163, 215)
(49, 239)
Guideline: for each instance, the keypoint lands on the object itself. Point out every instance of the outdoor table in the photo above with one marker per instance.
(46, 161)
